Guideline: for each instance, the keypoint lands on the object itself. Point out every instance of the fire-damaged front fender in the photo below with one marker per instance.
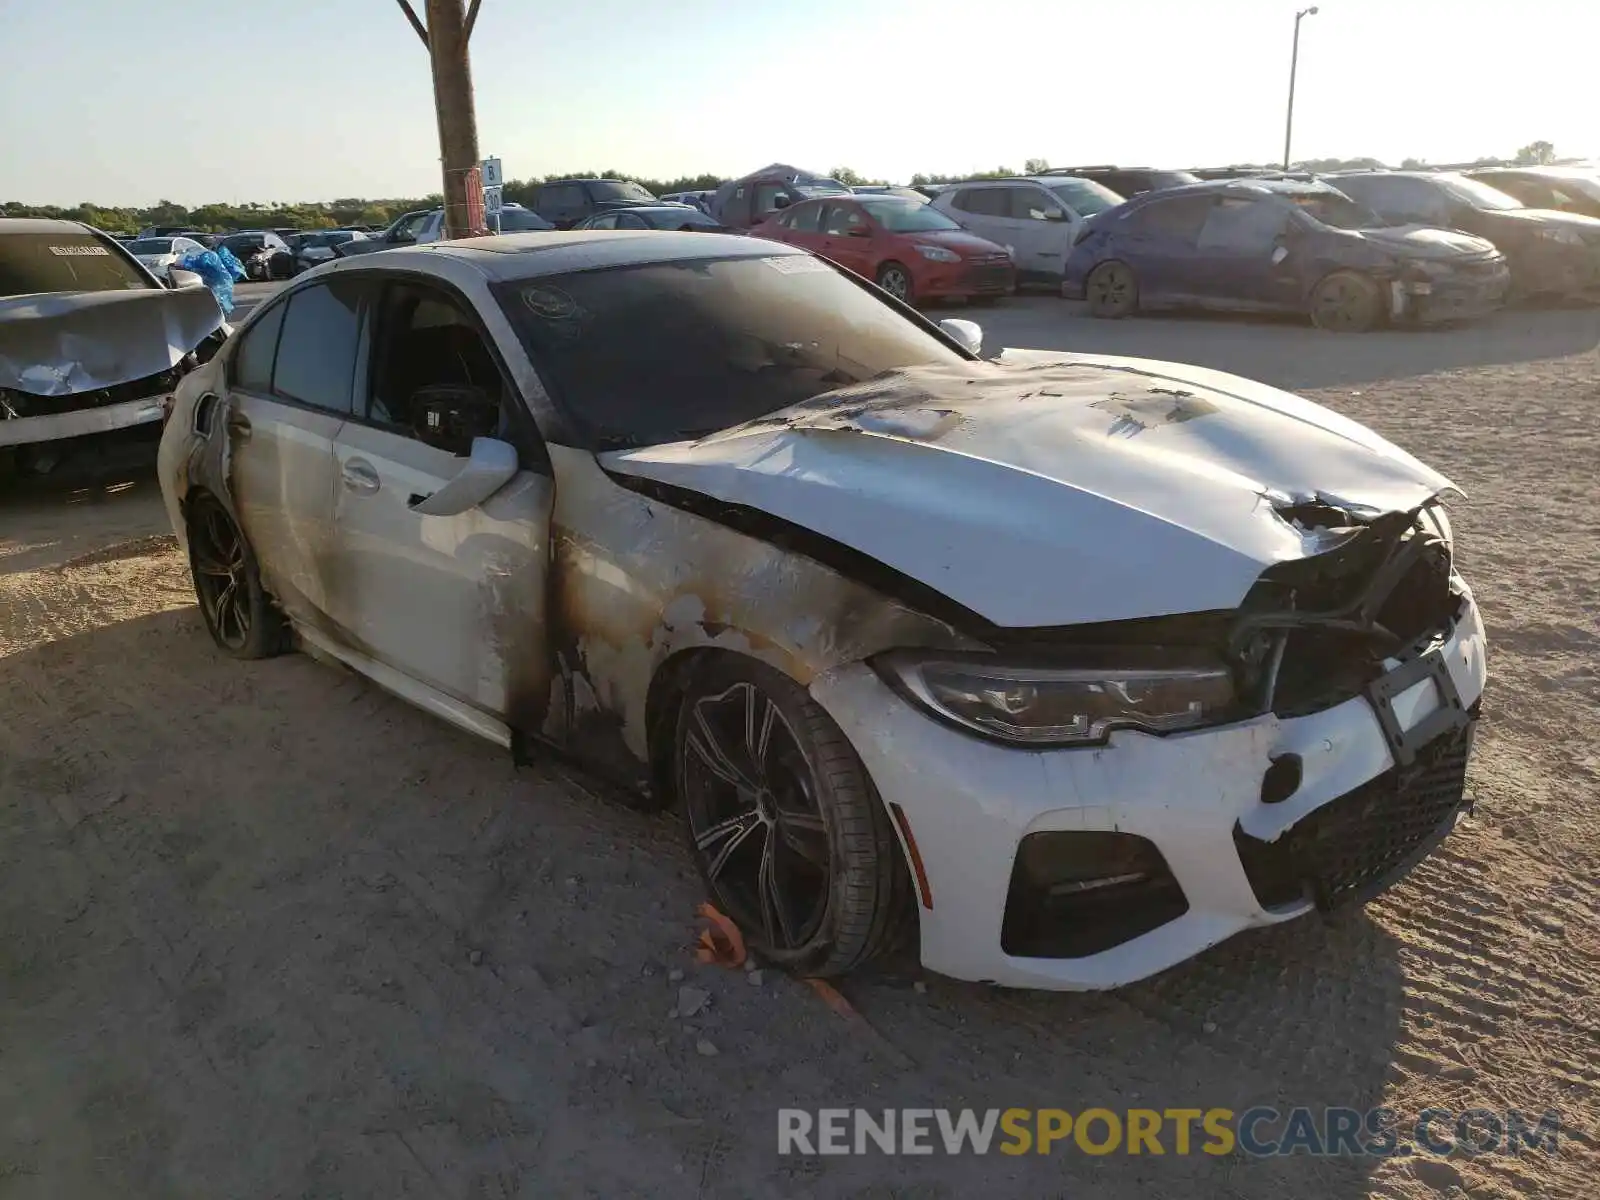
(640, 577)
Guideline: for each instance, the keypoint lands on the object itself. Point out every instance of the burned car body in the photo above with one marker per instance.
(1088, 663)
(89, 340)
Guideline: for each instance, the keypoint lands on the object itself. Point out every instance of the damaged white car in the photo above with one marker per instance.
(1080, 664)
(90, 340)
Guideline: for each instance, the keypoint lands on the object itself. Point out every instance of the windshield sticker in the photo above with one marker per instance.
(550, 303)
(795, 264)
(80, 251)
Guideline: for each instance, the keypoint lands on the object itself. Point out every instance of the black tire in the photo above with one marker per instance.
(1346, 302)
(790, 836)
(895, 278)
(1112, 291)
(240, 616)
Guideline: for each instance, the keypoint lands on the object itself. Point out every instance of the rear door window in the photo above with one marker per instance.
(317, 348)
(984, 201)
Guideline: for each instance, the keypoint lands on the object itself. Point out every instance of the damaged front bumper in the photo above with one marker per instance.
(77, 363)
(1201, 834)
(24, 423)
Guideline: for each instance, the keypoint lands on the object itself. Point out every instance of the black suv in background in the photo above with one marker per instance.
(1128, 182)
(565, 202)
(1551, 253)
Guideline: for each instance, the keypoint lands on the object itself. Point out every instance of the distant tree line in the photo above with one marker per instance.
(221, 218)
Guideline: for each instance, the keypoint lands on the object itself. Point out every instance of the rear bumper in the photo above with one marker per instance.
(53, 427)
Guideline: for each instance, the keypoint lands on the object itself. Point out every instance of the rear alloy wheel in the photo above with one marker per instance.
(789, 835)
(238, 613)
(896, 280)
(1112, 291)
(1345, 302)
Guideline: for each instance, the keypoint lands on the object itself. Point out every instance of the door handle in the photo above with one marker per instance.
(359, 476)
(239, 424)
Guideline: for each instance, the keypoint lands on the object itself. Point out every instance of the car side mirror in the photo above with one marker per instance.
(1054, 214)
(179, 278)
(966, 334)
(781, 202)
(491, 465)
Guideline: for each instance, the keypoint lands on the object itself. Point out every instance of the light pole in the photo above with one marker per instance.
(1294, 63)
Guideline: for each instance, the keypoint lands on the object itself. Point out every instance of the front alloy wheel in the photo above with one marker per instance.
(238, 613)
(788, 833)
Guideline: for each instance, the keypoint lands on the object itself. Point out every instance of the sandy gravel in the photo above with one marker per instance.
(265, 931)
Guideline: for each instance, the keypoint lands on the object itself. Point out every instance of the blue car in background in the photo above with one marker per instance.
(1255, 245)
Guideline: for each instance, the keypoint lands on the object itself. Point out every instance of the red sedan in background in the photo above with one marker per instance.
(910, 249)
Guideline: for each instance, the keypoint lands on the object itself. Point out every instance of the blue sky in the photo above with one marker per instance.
(131, 101)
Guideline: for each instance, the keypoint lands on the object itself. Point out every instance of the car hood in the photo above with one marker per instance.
(1546, 218)
(1047, 489)
(1422, 241)
(62, 343)
(959, 240)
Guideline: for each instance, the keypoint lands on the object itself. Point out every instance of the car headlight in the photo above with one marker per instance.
(938, 254)
(1565, 237)
(1063, 706)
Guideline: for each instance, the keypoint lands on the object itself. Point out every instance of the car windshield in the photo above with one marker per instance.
(624, 189)
(520, 220)
(1084, 196)
(151, 246)
(664, 352)
(64, 262)
(676, 217)
(899, 214)
(1335, 211)
(1477, 194)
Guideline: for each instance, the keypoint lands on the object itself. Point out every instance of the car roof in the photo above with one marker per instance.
(548, 252)
(43, 225)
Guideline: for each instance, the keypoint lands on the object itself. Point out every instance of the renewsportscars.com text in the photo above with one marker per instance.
(1258, 1132)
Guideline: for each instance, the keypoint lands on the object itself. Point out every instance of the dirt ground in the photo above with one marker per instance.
(267, 932)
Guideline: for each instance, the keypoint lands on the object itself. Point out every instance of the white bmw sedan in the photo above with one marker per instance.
(1076, 665)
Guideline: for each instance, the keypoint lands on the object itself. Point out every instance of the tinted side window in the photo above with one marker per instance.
(986, 202)
(805, 219)
(252, 363)
(317, 351)
(1244, 225)
(1171, 220)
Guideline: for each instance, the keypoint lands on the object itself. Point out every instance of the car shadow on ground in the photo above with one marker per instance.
(1287, 352)
(267, 927)
(78, 510)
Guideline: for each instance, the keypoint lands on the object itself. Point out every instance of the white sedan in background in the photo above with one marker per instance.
(161, 254)
(1079, 665)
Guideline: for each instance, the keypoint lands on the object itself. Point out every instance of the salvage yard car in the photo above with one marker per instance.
(1082, 664)
(1280, 246)
(907, 247)
(90, 340)
(1551, 253)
